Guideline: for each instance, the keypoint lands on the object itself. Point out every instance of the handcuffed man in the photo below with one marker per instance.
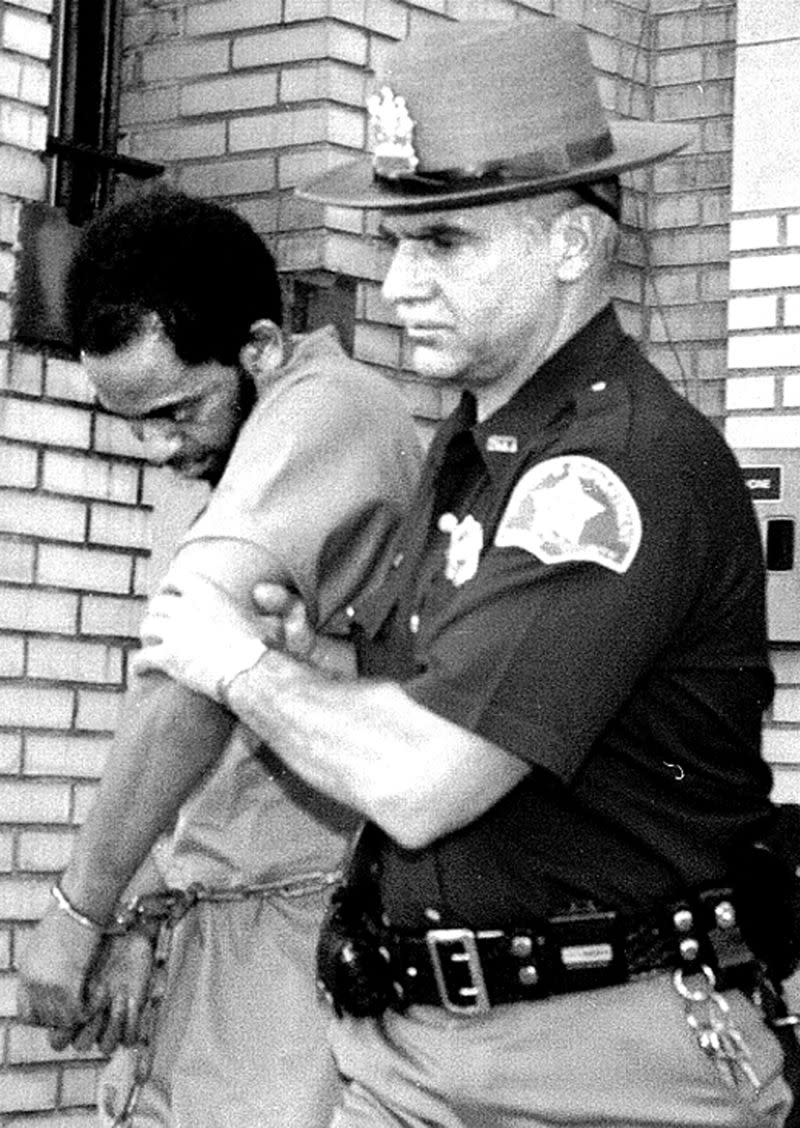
(177, 309)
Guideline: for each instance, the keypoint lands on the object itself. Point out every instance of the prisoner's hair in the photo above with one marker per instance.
(199, 266)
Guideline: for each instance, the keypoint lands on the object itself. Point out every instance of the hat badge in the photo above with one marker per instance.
(391, 129)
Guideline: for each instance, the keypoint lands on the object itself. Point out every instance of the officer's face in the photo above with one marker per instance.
(474, 288)
(188, 416)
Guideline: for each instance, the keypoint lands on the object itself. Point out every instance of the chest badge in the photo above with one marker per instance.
(464, 550)
(573, 508)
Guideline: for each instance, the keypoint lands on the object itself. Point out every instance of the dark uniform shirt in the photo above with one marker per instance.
(594, 605)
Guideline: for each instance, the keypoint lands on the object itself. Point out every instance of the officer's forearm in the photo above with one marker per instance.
(371, 746)
(167, 738)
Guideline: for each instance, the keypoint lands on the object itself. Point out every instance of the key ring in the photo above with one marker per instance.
(701, 994)
(708, 1016)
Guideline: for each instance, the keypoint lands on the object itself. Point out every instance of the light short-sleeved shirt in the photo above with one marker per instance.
(317, 480)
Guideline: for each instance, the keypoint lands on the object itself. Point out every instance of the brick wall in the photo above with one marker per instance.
(242, 99)
(73, 568)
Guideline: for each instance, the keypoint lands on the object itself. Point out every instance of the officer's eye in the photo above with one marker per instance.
(444, 238)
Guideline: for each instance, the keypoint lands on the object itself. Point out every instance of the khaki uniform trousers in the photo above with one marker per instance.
(621, 1056)
(241, 1039)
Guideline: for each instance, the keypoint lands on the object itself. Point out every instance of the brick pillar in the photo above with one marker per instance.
(691, 81)
(74, 539)
(763, 385)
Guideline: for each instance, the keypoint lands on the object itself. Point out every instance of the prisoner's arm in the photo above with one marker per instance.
(168, 737)
(366, 743)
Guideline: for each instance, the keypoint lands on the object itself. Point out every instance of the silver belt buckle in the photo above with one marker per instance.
(464, 955)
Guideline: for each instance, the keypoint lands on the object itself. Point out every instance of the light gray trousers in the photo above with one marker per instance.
(620, 1056)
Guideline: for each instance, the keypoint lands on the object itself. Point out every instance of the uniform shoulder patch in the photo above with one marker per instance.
(572, 508)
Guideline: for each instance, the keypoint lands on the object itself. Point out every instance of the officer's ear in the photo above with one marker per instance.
(263, 353)
(577, 238)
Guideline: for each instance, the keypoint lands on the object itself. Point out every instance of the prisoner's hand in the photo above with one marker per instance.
(195, 633)
(52, 975)
(116, 993)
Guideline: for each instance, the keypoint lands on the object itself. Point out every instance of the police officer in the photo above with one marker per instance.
(555, 734)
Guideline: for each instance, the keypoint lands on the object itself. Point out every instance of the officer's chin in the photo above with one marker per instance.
(433, 363)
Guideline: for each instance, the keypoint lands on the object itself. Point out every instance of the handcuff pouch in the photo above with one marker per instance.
(766, 884)
(353, 965)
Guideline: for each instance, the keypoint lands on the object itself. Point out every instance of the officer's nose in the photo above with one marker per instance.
(406, 278)
(160, 439)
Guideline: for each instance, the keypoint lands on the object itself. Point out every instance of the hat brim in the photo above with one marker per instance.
(354, 185)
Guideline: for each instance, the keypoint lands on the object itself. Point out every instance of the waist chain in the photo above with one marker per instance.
(156, 915)
(153, 909)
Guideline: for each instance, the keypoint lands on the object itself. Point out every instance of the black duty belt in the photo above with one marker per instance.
(462, 969)
(468, 971)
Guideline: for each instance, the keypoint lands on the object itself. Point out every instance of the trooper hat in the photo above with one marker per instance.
(483, 111)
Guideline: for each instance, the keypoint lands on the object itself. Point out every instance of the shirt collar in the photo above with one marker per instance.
(542, 401)
(302, 349)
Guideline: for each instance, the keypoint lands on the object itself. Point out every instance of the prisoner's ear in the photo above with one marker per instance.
(263, 353)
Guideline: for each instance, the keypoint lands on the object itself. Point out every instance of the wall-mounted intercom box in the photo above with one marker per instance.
(773, 478)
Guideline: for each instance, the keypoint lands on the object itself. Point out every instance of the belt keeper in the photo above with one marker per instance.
(688, 947)
(708, 933)
(725, 937)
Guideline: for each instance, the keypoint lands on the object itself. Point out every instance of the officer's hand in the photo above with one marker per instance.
(194, 632)
(284, 620)
(116, 993)
(286, 626)
(52, 975)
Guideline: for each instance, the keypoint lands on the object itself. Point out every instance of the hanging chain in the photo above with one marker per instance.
(708, 1016)
(174, 907)
(157, 915)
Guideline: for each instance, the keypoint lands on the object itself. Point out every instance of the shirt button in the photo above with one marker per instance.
(599, 386)
(413, 623)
